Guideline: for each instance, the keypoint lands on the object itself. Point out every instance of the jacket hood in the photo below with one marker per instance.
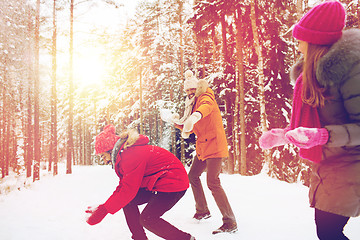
(202, 87)
(296, 69)
(127, 139)
(132, 138)
(342, 56)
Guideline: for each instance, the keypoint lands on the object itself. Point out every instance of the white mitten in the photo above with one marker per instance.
(185, 135)
(190, 121)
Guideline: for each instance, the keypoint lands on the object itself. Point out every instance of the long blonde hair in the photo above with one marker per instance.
(312, 92)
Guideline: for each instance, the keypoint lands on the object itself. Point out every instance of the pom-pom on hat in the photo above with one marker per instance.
(322, 25)
(106, 140)
(190, 80)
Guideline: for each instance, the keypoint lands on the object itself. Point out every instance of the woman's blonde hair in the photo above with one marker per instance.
(312, 92)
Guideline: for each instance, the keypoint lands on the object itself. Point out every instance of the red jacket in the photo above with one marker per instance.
(145, 166)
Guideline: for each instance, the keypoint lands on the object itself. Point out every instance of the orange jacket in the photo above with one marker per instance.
(211, 138)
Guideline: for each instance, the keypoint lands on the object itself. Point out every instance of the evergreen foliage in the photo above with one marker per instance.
(144, 75)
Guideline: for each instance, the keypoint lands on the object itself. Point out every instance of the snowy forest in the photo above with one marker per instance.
(63, 77)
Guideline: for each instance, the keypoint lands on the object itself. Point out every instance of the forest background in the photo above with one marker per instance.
(62, 82)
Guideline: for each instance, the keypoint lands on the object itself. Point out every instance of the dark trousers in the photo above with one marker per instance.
(330, 226)
(213, 167)
(150, 218)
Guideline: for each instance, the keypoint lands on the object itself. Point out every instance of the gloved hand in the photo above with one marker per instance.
(185, 135)
(97, 214)
(190, 122)
(304, 137)
(273, 138)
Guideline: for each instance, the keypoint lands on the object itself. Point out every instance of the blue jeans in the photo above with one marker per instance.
(157, 204)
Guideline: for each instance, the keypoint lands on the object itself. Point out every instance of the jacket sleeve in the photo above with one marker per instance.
(179, 126)
(206, 105)
(128, 185)
(348, 134)
(343, 135)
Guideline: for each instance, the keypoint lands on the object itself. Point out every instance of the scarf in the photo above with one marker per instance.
(304, 115)
(189, 104)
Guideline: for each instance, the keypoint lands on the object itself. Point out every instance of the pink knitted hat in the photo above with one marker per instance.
(322, 25)
(106, 140)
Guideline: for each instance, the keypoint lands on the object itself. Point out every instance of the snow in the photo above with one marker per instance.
(53, 208)
(166, 115)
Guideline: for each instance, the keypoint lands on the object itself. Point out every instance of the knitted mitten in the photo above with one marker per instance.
(190, 122)
(306, 138)
(273, 138)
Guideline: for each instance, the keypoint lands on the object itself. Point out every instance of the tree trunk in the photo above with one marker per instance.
(7, 148)
(260, 69)
(180, 2)
(299, 8)
(241, 93)
(70, 142)
(141, 102)
(29, 146)
(3, 124)
(224, 39)
(37, 144)
(29, 133)
(2, 127)
(53, 142)
(5, 133)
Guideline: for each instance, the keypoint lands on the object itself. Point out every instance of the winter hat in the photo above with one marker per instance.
(106, 140)
(322, 25)
(190, 80)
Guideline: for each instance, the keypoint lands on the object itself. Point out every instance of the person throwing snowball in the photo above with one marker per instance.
(202, 116)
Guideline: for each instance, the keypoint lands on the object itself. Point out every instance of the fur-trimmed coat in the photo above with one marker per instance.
(335, 181)
(139, 165)
(211, 138)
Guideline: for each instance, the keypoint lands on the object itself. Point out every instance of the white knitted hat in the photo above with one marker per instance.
(190, 80)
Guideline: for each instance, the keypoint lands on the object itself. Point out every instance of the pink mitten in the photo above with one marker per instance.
(306, 138)
(273, 138)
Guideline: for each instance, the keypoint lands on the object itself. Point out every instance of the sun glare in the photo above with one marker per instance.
(89, 70)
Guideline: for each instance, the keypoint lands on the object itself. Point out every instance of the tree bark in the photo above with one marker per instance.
(53, 149)
(37, 144)
(181, 70)
(241, 93)
(70, 142)
(261, 85)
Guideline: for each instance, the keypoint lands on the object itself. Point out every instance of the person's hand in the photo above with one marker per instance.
(190, 122)
(185, 135)
(97, 214)
(306, 138)
(273, 138)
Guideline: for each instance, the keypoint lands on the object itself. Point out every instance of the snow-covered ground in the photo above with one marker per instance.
(53, 209)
